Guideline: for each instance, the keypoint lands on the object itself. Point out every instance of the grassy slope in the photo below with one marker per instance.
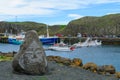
(108, 24)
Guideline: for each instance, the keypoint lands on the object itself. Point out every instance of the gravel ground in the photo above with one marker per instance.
(56, 72)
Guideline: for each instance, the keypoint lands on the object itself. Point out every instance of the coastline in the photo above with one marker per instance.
(56, 72)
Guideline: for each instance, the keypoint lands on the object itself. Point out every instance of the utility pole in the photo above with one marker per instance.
(15, 18)
(47, 31)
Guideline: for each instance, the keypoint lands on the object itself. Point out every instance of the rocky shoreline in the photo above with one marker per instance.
(61, 69)
(56, 72)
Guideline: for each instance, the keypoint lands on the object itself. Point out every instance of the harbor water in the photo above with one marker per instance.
(101, 55)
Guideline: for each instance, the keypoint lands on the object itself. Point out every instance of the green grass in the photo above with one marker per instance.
(40, 78)
(4, 58)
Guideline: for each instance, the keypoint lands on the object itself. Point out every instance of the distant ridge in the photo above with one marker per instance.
(104, 25)
(16, 27)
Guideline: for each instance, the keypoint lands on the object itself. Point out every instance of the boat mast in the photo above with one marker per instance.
(47, 31)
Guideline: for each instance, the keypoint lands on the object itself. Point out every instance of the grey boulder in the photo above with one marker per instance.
(31, 58)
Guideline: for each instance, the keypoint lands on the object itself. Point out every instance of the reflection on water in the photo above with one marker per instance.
(100, 55)
(8, 47)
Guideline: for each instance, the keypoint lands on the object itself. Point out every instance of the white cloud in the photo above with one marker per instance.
(59, 22)
(112, 13)
(21, 7)
(74, 16)
(44, 7)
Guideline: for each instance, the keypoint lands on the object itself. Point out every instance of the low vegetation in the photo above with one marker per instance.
(16, 27)
(4, 58)
(105, 25)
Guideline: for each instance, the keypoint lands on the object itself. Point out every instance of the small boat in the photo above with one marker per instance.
(82, 44)
(94, 43)
(14, 40)
(61, 47)
(88, 42)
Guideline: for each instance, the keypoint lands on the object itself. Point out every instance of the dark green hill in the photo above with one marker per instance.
(105, 25)
(16, 27)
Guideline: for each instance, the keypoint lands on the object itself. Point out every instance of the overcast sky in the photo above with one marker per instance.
(55, 11)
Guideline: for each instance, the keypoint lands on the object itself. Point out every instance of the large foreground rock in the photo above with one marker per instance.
(31, 58)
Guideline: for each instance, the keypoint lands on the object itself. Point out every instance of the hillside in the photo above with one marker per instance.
(90, 25)
(16, 27)
(105, 25)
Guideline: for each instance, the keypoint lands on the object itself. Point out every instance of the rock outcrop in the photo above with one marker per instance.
(117, 74)
(90, 66)
(31, 58)
(106, 69)
(76, 62)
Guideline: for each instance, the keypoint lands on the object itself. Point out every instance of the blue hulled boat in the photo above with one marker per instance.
(14, 41)
(49, 40)
(17, 40)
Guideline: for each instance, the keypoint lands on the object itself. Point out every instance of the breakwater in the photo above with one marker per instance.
(3, 39)
(72, 40)
(105, 41)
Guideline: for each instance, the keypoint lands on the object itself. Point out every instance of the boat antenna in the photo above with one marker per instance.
(47, 31)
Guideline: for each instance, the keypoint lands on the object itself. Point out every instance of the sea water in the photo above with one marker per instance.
(101, 55)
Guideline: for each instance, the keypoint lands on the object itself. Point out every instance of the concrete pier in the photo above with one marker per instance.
(105, 41)
(3, 39)
(72, 40)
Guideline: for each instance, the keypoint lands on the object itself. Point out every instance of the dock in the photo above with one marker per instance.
(72, 40)
(105, 41)
(3, 39)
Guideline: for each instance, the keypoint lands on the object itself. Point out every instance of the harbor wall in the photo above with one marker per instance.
(72, 40)
(105, 41)
(3, 39)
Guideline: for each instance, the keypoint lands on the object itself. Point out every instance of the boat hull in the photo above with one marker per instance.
(49, 40)
(14, 41)
(58, 48)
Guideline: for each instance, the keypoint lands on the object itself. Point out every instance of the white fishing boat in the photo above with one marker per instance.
(60, 44)
(61, 47)
(82, 44)
(94, 43)
(88, 42)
